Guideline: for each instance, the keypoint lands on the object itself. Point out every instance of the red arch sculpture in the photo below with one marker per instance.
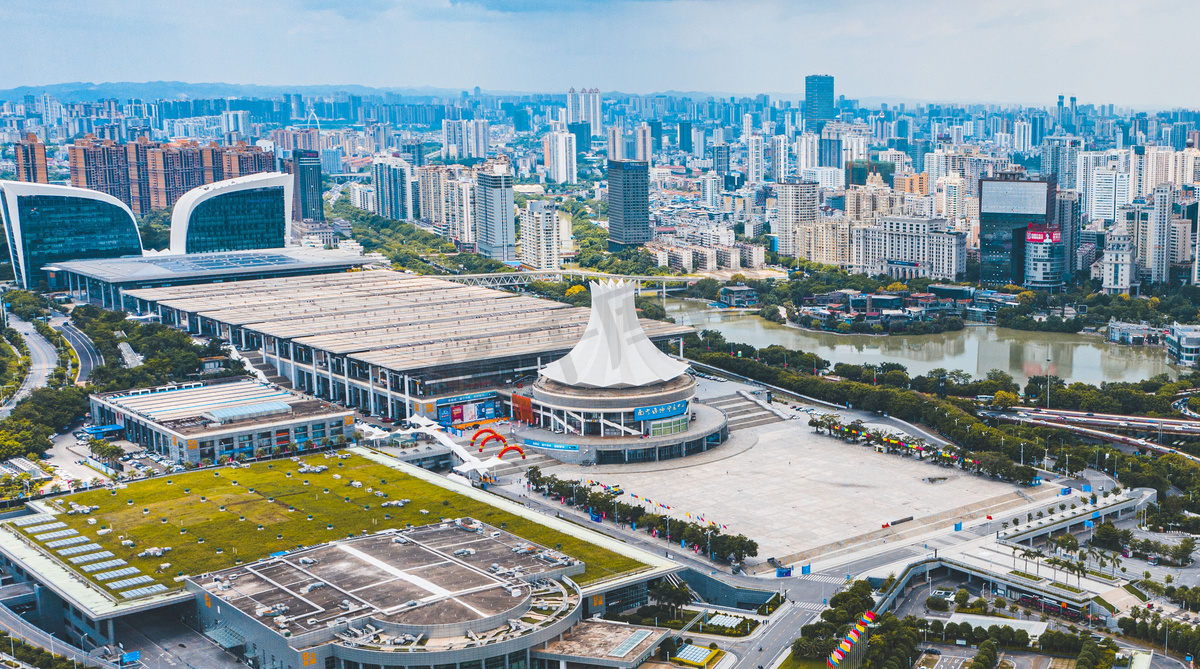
(490, 437)
(512, 447)
(481, 431)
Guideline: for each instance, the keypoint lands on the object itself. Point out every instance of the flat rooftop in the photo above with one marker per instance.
(394, 320)
(605, 641)
(222, 405)
(168, 267)
(208, 520)
(434, 575)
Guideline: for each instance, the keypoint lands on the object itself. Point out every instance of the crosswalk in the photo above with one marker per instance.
(824, 578)
(810, 606)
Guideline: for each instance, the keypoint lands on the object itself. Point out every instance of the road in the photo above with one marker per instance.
(89, 357)
(42, 360)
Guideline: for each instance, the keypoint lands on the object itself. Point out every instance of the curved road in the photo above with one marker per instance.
(42, 360)
(89, 357)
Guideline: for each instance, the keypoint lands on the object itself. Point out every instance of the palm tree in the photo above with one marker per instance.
(1038, 555)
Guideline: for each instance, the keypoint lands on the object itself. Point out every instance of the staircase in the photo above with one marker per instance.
(255, 359)
(742, 413)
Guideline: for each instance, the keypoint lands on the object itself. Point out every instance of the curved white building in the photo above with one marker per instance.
(45, 224)
(241, 214)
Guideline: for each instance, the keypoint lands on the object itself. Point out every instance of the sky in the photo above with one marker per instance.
(1015, 51)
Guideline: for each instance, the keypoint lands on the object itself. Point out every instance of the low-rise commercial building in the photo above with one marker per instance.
(1183, 344)
(221, 419)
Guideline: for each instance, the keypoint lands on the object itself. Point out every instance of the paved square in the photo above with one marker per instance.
(794, 489)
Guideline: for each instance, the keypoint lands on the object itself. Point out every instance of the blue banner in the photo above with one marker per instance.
(553, 447)
(806, 569)
(660, 411)
(958, 527)
(1086, 488)
(463, 399)
(783, 572)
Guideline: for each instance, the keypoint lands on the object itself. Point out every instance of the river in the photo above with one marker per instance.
(975, 350)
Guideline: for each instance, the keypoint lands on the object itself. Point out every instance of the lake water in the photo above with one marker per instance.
(975, 350)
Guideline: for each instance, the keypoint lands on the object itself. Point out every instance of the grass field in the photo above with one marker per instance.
(214, 518)
(793, 662)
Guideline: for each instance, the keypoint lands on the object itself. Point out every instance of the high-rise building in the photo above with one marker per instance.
(465, 139)
(720, 158)
(395, 186)
(540, 236)
(699, 145)
(781, 164)
(907, 247)
(1159, 234)
(558, 152)
(1008, 204)
(1060, 159)
(915, 182)
(1108, 191)
(1068, 216)
(242, 214)
(756, 167)
(710, 189)
(683, 136)
(101, 166)
(30, 159)
(808, 151)
(308, 204)
(46, 224)
(1119, 274)
(1045, 258)
(797, 205)
(583, 136)
(818, 102)
(495, 229)
(628, 204)
(172, 170)
(643, 143)
(616, 142)
(584, 107)
(1022, 136)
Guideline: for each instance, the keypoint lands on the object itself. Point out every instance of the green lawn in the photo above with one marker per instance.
(197, 514)
(1132, 589)
(793, 662)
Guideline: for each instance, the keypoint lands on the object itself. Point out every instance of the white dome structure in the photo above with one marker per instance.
(614, 351)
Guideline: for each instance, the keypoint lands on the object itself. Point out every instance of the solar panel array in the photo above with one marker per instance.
(89, 568)
(117, 573)
(91, 557)
(142, 592)
(66, 542)
(55, 535)
(32, 520)
(693, 654)
(629, 643)
(125, 583)
(76, 550)
(45, 527)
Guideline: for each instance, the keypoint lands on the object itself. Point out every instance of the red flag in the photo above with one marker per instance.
(989, 517)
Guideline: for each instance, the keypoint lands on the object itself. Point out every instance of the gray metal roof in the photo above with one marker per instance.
(166, 267)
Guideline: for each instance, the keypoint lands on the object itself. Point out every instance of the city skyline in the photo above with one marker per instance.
(1032, 51)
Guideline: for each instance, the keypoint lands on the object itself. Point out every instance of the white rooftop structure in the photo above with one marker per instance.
(614, 351)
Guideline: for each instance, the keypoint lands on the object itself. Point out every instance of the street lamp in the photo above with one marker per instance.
(1047, 383)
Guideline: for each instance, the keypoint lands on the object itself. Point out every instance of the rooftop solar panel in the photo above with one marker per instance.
(78, 550)
(89, 568)
(80, 559)
(125, 583)
(630, 643)
(142, 592)
(116, 573)
(66, 542)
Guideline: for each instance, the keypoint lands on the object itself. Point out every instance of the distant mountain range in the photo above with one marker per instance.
(83, 91)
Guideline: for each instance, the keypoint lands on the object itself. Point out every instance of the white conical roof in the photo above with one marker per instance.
(614, 351)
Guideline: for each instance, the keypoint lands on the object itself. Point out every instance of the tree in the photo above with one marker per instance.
(962, 597)
(1182, 552)
(104, 451)
(1005, 399)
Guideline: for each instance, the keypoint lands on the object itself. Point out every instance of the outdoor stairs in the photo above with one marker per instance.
(513, 465)
(742, 413)
(255, 359)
